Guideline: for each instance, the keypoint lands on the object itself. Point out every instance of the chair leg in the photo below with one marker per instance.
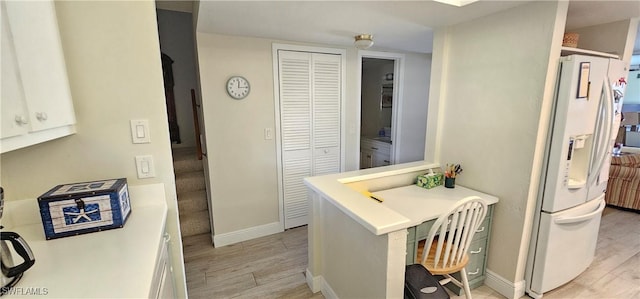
(465, 283)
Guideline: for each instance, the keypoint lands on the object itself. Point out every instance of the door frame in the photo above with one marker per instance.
(275, 47)
(398, 87)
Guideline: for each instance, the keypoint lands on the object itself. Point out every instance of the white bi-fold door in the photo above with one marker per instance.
(310, 95)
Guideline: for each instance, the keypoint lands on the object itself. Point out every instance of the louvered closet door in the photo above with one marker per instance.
(326, 113)
(295, 126)
(309, 124)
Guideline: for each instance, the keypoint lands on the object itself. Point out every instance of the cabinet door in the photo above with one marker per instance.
(380, 159)
(167, 289)
(366, 159)
(162, 285)
(14, 112)
(40, 60)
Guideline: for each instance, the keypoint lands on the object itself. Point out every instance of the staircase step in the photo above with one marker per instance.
(189, 181)
(192, 201)
(185, 160)
(187, 165)
(194, 223)
(183, 151)
(192, 196)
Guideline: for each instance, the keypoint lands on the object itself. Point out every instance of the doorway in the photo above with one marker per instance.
(380, 99)
(175, 30)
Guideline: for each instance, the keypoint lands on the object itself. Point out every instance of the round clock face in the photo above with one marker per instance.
(238, 87)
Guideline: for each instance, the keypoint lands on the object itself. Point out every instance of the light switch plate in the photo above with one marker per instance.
(145, 167)
(140, 131)
(268, 134)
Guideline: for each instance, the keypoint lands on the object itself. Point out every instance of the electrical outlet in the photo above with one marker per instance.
(144, 166)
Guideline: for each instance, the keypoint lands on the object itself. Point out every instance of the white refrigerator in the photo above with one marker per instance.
(585, 121)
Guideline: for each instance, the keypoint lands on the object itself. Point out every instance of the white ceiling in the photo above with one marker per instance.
(395, 25)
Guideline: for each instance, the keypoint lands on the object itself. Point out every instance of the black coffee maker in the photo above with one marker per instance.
(12, 273)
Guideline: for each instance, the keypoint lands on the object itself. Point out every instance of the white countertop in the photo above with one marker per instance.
(385, 139)
(393, 214)
(420, 205)
(116, 263)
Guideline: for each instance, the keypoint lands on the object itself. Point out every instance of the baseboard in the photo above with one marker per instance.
(503, 286)
(318, 284)
(327, 291)
(314, 282)
(220, 240)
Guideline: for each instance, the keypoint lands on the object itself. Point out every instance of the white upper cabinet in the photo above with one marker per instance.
(36, 98)
(14, 111)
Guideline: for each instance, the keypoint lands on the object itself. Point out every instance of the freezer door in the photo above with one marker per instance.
(566, 245)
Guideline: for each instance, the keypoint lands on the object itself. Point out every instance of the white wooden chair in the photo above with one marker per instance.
(449, 240)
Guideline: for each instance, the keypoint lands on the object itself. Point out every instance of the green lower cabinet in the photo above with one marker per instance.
(483, 230)
(476, 268)
(422, 230)
(411, 248)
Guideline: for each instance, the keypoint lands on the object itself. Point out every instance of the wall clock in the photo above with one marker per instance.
(238, 87)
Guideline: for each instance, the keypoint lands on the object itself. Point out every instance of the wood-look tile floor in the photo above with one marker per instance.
(615, 271)
(274, 266)
(267, 267)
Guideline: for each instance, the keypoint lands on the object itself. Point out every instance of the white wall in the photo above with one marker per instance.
(412, 115)
(113, 62)
(619, 38)
(176, 40)
(352, 105)
(242, 163)
(616, 37)
(363, 266)
(491, 83)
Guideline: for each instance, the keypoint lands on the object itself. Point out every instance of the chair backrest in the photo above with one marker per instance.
(458, 227)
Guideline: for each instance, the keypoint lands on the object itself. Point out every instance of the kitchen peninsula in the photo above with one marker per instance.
(358, 246)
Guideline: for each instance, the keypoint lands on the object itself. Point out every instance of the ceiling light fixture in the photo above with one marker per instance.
(363, 41)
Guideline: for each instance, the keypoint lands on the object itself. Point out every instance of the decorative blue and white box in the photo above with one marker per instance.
(80, 208)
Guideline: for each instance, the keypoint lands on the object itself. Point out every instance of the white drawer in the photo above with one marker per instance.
(375, 146)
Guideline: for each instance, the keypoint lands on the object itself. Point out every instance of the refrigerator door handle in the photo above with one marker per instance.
(601, 152)
(581, 218)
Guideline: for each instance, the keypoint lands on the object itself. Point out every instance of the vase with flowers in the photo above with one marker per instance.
(450, 174)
